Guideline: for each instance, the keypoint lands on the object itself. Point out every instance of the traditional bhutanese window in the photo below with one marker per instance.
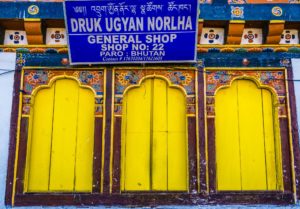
(61, 138)
(248, 155)
(154, 138)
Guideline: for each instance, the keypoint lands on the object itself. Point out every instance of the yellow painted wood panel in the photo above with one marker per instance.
(123, 141)
(137, 139)
(39, 152)
(177, 141)
(270, 151)
(85, 141)
(255, 155)
(253, 168)
(160, 135)
(227, 139)
(154, 138)
(64, 136)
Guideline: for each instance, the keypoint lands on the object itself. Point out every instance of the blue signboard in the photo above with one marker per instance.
(131, 31)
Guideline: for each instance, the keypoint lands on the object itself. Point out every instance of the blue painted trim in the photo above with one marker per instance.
(54, 10)
(206, 59)
(266, 59)
(19, 10)
(42, 60)
(290, 12)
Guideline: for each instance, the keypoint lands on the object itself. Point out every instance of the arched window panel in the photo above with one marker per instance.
(60, 154)
(155, 142)
(248, 155)
(248, 137)
(154, 138)
(61, 125)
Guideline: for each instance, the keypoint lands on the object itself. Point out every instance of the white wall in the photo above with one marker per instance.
(296, 72)
(7, 62)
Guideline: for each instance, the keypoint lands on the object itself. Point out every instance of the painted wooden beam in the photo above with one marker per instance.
(276, 28)
(33, 28)
(42, 10)
(287, 12)
(235, 31)
(200, 27)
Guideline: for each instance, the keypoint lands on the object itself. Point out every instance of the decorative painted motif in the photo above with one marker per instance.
(210, 110)
(289, 37)
(212, 36)
(205, 1)
(282, 111)
(99, 110)
(285, 63)
(277, 11)
(201, 63)
(237, 1)
(99, 100)
(237, 12)
(36, 78)
(259, 48)
(93, 79)
(56, 36)
(125, 78)
(33, 9)
(260, 1)
(26, 105)
(183, 78)
(252, 36)
(20, 60)
(118, 109)
(15, 37)
(26, 110)
(217, 79)
(274, 79)
(191, 109)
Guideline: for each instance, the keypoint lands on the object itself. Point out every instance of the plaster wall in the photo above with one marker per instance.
(7, 63)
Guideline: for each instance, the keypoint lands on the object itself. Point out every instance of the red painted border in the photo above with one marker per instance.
(201, 131)
(211, 155)
(150, 199)
(97, 155)
(192, 155)
(22, 155)
(117, 155)
(286, 160)
(107, 131)
(295, 133)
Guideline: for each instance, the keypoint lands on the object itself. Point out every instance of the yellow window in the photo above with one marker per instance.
(61, 138)
(154, 138)
(248, 155)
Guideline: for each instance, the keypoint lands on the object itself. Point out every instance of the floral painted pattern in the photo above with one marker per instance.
(274, 79)
(126, 78)
(218, 79)
(93, 79)
(36, 78)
